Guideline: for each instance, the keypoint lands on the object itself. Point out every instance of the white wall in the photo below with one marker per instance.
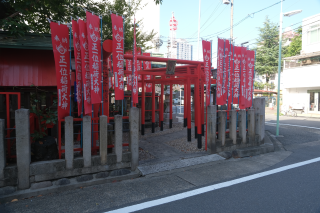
(306, 24)
(295, 96)
(305, 76)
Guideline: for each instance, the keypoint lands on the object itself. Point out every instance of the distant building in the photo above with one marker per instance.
(184, 49)
(301, 73)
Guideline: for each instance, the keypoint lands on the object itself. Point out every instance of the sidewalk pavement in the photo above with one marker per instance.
(151, 186)
(303, 115)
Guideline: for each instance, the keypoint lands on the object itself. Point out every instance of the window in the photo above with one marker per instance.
(314, 34)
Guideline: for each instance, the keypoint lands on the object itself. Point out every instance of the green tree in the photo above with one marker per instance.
(268, 49)
(258, 85)
(22, 16)
(296, 44)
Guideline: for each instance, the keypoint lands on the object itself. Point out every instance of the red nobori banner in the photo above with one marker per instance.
(206, 46)
(129, 69)
(105, 84)
(230, 74)
(225, 71)
(250, 75)
(243, 83)
(60, 45)
(139, 67)
(135, 88)
(220, 61)
(147, 65)
(117, 50)
(94, 42)
(77, 57)
(86, 79)
(236, 81)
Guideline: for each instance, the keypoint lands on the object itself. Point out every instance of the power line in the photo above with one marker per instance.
(217, 7)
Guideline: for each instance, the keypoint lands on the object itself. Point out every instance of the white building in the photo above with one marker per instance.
(302, 72)
(184, 49)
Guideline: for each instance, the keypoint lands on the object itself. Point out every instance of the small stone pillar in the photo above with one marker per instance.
(86, 141)
(134, 137)
(211, 128)
(103, 139)
(242, 125)
(69, 142)
(222, 126)
(2, 152)
(23, 147)
(251, 126)
(233, 126)
(118, 137)
(259, 106)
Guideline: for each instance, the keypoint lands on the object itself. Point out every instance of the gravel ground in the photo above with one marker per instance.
(187, 147)
(175, 127)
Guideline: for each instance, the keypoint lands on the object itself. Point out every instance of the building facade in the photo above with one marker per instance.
(184, 49)
(302, 72)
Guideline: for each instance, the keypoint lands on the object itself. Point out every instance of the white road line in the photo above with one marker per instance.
(202, 190)
(310, 127)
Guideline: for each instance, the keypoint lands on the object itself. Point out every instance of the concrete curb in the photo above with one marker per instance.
(73, 185)
(276, 143)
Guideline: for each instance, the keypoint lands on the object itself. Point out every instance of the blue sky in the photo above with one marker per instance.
(217, 16)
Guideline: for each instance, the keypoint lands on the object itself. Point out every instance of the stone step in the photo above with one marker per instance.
(252, 151)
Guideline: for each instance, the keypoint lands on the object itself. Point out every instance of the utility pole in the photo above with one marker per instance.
(199, 28)
(231, 21)
(279, 71)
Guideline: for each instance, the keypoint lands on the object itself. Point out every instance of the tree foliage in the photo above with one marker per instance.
(258, 85)
(296, 44)
(268, 49)
(21, 16)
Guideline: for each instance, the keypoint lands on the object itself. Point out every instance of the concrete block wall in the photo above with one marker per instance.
(25, 173)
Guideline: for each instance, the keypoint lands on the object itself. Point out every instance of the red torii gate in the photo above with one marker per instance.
(190, 73)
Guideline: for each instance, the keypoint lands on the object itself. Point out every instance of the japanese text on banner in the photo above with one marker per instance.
(147, 65)
(220, 76)
(236, 81)
(117, 50)
(206, 46)
(60, 44)
(86, 79)
(250, 77)
(77, 57)
(243, 84)
(129, 69)
(93, 31)
(135, 88)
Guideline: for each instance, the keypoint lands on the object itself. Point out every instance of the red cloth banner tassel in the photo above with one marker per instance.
(77, 57)
(60, 45)
(86, 80)
(94, 42)
(206, 46)
(117, 50)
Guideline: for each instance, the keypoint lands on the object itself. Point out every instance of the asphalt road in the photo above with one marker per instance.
(293, 190)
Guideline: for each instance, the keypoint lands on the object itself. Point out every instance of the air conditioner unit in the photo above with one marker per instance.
(226, 1)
